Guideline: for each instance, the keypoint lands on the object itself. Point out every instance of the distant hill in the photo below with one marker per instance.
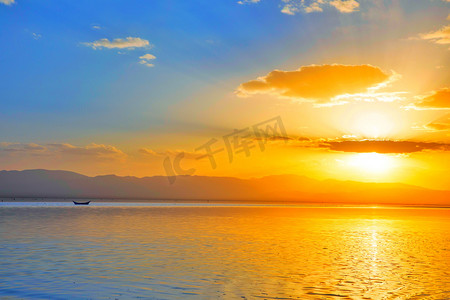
(64, 184)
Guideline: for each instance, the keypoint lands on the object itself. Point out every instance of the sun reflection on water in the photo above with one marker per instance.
(226, 252)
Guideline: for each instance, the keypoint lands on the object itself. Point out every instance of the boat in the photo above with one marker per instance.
(81, 203)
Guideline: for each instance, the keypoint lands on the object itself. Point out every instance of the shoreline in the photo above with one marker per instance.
(37, 200)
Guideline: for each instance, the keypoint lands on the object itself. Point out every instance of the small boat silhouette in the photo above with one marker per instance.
(81, 203)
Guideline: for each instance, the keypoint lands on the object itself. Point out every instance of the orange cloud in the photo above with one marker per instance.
(316, 82)
(368, 146)
(438, 126)
(441, 36)
(437, 100)
(441, 124)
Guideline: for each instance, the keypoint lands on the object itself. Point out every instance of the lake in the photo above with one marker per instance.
(235, 251)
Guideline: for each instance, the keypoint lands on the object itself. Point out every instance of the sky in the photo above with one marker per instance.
(360, 88)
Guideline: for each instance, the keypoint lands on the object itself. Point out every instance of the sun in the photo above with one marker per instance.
(374, 163)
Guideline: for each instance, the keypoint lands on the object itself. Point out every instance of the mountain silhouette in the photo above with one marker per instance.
(65, 184)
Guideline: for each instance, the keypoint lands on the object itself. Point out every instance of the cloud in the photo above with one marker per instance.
(96, 150)
(441, 36)
(248, 1)
(345, 6)
(314, 7)
(439, 125)
(7, 2)
(278, 138)
(92, 150)
(291, 7)
(148, 152)
(146, 63)
(436, 100)
(318, 83)
(145, 60)
(187, 155)
(19, 147)
(147, 56)
(372, 97)
(387, 147)
(127, 43)
(351, 145)
(36, 36)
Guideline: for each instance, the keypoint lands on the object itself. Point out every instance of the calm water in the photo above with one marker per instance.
(184, 251)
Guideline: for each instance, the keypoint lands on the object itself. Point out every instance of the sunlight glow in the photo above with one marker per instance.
(371, 162)
(374, 125)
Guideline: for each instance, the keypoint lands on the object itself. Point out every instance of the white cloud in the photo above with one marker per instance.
(314, 7)
(145, 60)
(371, 97)
(36, 36)
(248, 1)
(345, 6)
(146, 63)
(127, 43)
(7, 2)
(147, 56)
(291, 7)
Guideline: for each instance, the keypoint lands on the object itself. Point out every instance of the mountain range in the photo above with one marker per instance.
(65, 184)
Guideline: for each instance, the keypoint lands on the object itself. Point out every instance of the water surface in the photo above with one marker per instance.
(206, 251)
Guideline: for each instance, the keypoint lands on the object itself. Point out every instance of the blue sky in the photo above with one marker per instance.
(57, 87)
(48, 75)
